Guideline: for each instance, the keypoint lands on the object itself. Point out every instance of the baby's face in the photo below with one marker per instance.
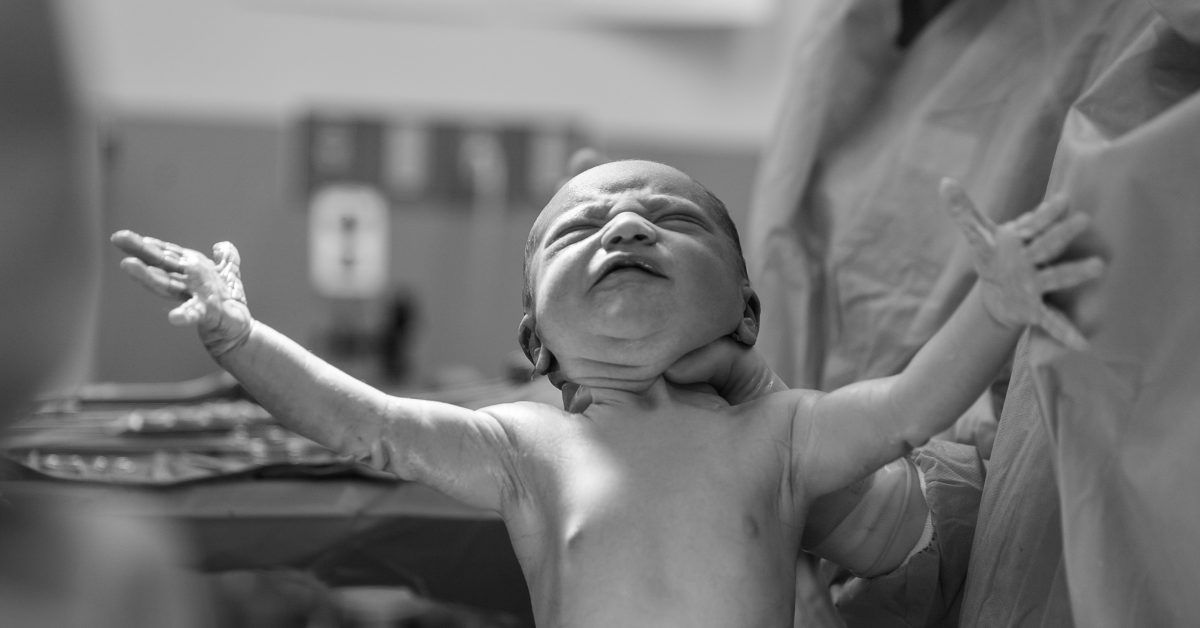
(631, 268)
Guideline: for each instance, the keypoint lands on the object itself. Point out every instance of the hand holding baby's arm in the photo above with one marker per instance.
(212, 294)
(737, 372)
(1016, 261)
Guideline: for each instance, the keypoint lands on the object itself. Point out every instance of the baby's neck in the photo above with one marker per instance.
(659, 393)
(607, 376)
(607, 385)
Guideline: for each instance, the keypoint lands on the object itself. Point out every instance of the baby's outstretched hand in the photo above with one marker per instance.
(1016, 261)
(211, 291)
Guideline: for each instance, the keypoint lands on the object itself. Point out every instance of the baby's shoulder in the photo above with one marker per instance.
(537, 429)
(784, 410)
(793, 399)
(518, 416)
(522, 409)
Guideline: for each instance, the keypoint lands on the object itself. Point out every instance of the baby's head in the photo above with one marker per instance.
(631, 265)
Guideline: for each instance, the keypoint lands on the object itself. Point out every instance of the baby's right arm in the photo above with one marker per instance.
(461, 452)
(846, 434)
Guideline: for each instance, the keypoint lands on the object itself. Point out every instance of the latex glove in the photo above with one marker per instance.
(1016, 261)
(737, 372)
(212, 294)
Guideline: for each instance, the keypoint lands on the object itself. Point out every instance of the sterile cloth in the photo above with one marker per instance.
(857, 266)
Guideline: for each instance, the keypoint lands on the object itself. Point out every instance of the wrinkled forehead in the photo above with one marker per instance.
(608, 180)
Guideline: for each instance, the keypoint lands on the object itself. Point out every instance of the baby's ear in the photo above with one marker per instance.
(747, 330)
(531, 344)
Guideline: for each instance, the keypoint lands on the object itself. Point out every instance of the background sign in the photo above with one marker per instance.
(348, 241)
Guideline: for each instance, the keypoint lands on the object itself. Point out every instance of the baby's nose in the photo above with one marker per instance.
(629, 228)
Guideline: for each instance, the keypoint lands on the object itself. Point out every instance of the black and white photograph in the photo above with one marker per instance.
(564, 313)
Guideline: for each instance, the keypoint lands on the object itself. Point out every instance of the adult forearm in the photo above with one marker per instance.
(305, 393)
(957, 364)
(873, 525)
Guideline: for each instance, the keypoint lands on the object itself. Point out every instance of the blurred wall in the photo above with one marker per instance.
(242, 58)
(199, 101)
(197, 182)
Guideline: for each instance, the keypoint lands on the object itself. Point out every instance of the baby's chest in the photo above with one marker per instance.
(713, 481)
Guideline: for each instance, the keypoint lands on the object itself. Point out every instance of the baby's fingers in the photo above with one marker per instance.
(1030, 224)
(229, 268)
(154, 278)
(1069, 274)
(1061, 329)
(152, 251)
(978, 228)
(1054, 240)
(190, 312)
(226, 255)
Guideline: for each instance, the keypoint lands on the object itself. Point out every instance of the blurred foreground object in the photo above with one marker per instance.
(1120, 419)
(47, 233)
(1082, 515)
(62, 563)
(278, 527)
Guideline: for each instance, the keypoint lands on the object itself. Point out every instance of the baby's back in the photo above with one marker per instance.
(676, 515)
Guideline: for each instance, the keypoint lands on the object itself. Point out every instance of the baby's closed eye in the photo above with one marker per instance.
(681, 219)
(571, 233)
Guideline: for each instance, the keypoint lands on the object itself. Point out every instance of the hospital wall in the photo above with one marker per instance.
(198, 181)
(197, 107)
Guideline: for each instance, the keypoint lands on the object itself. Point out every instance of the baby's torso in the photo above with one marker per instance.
(680, 516)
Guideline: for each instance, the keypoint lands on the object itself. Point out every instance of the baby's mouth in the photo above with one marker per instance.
(628, 264)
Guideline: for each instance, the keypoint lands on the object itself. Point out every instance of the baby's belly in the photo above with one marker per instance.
(690, 530)
(652, 567)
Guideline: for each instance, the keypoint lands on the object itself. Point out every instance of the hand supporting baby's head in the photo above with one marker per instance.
(630, 266)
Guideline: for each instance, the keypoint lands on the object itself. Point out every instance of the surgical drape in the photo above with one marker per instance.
(1087, 511)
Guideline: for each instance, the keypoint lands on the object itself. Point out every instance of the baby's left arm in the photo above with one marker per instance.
(464, 453)
(846, 434)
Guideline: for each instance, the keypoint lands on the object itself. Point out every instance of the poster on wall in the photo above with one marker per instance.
(348, 241)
